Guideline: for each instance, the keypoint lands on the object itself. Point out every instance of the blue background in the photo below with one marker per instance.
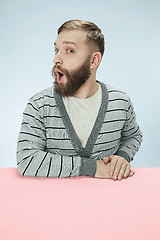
(131, 61)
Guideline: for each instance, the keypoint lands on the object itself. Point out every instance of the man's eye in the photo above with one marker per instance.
(56, 51)
(70, 51)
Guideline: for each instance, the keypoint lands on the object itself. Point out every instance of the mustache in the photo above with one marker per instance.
(57, 67)
(62, 70)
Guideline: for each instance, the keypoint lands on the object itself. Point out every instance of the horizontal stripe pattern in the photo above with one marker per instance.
(44, 147)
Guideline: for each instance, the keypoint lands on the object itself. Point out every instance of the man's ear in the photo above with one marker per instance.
(96, 59)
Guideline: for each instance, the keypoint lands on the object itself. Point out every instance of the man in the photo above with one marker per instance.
(80, 126)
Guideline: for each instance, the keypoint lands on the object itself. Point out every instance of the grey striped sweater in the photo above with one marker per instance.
(49, 147)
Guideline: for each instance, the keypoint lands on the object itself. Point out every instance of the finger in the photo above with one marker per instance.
(131, 173)
(127, 172)
(122, 171)
(113, 165)
(117, 169)
(106, 159)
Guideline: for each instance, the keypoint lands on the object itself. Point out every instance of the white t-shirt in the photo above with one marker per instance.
(83, 113)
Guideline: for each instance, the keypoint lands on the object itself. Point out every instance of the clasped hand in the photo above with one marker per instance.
(119, 167)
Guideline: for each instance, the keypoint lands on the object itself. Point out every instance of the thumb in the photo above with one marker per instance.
(106, 159)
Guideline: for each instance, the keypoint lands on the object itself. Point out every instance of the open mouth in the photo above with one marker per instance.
(59, 76)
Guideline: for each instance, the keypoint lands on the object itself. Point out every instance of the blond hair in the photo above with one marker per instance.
(94, 34)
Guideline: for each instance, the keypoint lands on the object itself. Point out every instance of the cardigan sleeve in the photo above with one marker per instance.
(34, 160)
(131, 136)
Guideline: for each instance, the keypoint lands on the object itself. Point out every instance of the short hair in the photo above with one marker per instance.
(94, 33)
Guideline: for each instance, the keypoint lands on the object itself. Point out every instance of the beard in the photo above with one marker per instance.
(75, 78)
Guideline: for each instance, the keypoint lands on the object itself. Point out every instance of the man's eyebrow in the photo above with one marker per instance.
(67, 42)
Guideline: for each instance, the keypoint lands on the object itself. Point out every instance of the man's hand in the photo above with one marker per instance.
(103, 170)
(119, 168)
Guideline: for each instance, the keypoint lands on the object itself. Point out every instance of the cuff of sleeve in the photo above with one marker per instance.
(123, 154)
(88, 167)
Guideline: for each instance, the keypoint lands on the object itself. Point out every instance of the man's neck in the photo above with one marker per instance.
(88, 89)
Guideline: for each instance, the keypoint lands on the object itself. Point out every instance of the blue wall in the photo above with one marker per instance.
(131, 61)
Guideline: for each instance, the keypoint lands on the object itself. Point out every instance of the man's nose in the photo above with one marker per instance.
(58, 58)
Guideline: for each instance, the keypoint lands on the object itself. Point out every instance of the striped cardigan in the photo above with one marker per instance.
(49, 147)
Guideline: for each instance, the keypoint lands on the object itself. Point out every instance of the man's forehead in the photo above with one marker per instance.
(75, 37)
(67, 42)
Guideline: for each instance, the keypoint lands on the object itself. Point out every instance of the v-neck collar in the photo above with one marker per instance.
(83, 152)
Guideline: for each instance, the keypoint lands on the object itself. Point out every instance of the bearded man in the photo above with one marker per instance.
(79, 126)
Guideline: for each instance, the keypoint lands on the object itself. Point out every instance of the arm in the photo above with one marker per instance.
(131, 136)
(34, 160)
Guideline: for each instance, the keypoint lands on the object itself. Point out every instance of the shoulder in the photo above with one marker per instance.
(116, 93)
(44, 96)
(48, 92)
(117, 98)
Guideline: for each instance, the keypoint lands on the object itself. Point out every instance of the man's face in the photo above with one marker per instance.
(72, 62)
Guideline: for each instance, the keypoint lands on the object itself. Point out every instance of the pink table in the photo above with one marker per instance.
(85, 208)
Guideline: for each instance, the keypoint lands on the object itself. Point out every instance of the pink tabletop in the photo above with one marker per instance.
(86, 208)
